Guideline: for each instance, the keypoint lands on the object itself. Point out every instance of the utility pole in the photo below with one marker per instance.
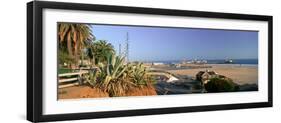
(127, 46)
(124, 52)
(119, 49)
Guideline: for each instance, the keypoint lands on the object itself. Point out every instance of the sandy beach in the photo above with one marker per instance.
(240, 74)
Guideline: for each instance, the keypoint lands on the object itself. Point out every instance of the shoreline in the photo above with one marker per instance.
(235, 65)
(240, 74)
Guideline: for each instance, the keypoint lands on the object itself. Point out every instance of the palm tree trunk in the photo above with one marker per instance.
(76, 47)
(82, 57)
(69, 47)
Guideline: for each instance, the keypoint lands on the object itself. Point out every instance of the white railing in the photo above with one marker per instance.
(73, 80)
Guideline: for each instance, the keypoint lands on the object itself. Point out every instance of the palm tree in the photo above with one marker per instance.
(74, 37)
(90, 52)
(99, 50)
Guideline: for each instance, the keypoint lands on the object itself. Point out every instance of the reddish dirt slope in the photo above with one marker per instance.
(88, 92)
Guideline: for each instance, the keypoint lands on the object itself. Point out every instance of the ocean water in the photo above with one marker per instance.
(235, 61)
(217, 61)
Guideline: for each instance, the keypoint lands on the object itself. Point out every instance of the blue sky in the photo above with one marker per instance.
(164, 44)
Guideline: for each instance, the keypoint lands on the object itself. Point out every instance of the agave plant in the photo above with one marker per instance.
(116, 77)
(92, 77)
(113, 76)
(114, 68)
(138, 73)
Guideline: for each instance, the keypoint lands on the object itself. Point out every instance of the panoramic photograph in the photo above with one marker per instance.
(102, 60)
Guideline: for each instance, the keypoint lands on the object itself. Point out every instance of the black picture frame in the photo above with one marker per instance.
(35, 69)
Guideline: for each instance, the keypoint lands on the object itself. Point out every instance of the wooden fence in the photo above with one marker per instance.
(71, 79)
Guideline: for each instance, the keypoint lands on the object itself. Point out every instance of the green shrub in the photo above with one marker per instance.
(137, 72)
(65, 58)
(221, 85)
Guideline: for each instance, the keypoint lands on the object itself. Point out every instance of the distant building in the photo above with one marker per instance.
(157, 63)
(178, 65)
(195, 61)
(175, 65)
(228, 61)
(200, 62)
